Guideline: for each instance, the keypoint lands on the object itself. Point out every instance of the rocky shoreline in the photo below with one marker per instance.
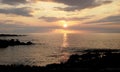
(10, 35)
(12, 42)
(102, 60)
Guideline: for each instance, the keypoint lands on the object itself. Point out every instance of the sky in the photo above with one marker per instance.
(59, 16)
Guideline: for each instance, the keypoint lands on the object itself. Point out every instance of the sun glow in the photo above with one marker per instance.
(65, 25)
(63, 31)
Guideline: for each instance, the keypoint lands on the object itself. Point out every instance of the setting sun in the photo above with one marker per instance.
(65, 25)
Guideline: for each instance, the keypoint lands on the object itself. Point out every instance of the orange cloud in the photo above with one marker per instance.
(37, 0)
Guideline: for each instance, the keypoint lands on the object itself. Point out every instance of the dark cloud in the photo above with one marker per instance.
(96, 28)
(105, 2)
(80, 4)
(53, 19)
(13, 2)
(37, 29)
(50, 19)
(18, 27)
(32, 30)
(18, 11)
(110, 20)
(114, 19)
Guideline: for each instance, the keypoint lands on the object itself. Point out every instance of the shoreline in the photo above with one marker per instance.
(4, 43)
(11, 35)
(97, 60)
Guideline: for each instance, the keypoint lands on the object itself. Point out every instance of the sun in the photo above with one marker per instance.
(65, 25)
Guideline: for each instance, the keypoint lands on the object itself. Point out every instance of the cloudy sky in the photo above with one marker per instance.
(59, 16)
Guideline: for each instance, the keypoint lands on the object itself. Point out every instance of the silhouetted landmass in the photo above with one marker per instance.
(90, 61)
(10, 35)
(13, 42)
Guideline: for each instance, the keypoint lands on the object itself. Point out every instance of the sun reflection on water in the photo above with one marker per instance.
(65, 40)
(64, 55)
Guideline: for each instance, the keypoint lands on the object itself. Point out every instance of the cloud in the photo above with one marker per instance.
(36, 29)
(54, 19)
(97, 28)
(50, 19)
(109, 20)
(17, 27)
(13, 2)
(81, 4)
(17, 11)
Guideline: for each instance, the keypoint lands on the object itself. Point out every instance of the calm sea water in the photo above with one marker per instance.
(55, 48)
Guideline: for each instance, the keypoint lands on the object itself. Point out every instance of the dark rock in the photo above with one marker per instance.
(10, 35)
(29, 43)
(13, 42)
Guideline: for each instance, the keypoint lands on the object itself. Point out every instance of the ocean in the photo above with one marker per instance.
(55, 48)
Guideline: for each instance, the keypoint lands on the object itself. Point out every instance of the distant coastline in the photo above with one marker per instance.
(10, 35)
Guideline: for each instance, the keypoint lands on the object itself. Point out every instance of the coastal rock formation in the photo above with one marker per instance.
(13, 42)
(10, 35)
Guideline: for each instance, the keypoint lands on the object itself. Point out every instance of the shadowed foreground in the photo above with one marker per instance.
(91, 61)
